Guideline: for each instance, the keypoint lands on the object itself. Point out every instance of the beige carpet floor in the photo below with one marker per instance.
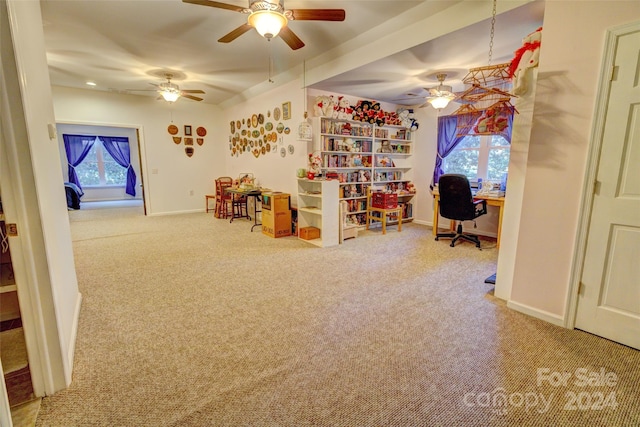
(188, 320)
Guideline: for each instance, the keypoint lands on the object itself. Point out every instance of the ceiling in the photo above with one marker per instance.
(125, 45)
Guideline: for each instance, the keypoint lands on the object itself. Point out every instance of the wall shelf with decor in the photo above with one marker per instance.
(318, 213)
(360, 154)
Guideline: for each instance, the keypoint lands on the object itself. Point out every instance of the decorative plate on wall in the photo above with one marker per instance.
(254, 120)
(290, 149)
(203, 132)
(283, 152)
(276, 113)
(173, 129)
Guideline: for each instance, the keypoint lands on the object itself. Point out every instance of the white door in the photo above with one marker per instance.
(609, 298)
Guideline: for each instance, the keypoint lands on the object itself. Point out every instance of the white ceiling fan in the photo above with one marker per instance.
(439, 96)
(170, 92)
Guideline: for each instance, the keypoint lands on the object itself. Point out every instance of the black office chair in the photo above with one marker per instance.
(456, 203)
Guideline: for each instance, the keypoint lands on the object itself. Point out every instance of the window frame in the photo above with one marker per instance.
(484, 149)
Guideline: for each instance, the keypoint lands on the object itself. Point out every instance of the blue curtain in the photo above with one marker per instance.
(77, 147)
(506, 133)
(447, 140)
(118, 147)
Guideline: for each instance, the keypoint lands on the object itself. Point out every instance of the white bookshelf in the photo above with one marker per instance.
(355, 156)
(318, 207)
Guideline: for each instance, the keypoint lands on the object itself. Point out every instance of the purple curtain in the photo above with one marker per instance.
(118, 147)
(506, 133)
(447, 140)
(77, 148)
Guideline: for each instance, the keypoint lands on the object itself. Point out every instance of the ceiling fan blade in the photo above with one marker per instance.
(193, 91)
(318, 14)
(410, 99)
(290, 38)
(235, 33)
(215, 4)
(195, 98)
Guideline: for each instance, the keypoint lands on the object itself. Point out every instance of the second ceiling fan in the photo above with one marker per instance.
(270, 18)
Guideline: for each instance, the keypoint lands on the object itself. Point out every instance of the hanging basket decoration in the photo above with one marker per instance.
(466, 119)
(494, 120)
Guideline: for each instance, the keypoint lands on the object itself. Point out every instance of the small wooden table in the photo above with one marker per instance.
(248, 193)
(491, 201)
(383, 213)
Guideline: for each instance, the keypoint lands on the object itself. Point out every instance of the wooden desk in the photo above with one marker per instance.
(491, 201)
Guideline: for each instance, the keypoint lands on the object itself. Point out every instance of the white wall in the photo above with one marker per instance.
(271, 170)
(169, 176)
(42, 252)
(570, 60)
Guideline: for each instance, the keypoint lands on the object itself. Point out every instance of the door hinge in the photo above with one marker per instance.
(596, 187)
(581, 288)
(12, 230)
(614, 73)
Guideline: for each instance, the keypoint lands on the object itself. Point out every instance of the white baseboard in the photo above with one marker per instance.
(537, 313)
(72, 340)
(175, 212)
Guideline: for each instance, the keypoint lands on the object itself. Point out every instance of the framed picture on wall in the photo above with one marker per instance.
(286, 110)
(187, 130)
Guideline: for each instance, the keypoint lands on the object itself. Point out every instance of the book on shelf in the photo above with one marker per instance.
(347, 145)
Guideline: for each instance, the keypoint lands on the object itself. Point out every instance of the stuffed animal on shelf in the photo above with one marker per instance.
(323, 106)
(315, 163)
(342, 109)
(344, 145)
(407, 119)
(526, 57)
(357, 160)
(385, 147)
(385, 162)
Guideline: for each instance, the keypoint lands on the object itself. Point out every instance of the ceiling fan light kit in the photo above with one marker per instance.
(441, 102)
(267, 23)
(170, 95)
(441, 95)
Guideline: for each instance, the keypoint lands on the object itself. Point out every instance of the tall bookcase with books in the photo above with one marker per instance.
(351, 151)
(393, 147)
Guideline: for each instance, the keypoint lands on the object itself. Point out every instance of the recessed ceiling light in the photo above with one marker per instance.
(91, 83)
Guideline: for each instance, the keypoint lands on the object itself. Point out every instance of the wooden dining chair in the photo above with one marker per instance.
(224, 200)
